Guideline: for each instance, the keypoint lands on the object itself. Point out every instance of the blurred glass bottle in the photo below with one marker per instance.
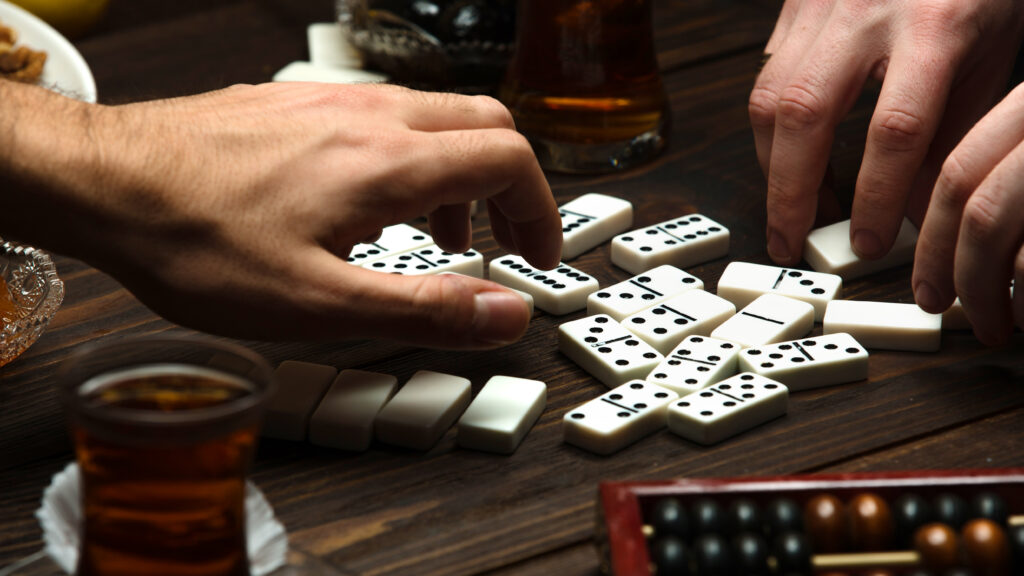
(584, 86)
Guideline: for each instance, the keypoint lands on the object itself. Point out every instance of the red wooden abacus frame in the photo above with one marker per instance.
(622, 506)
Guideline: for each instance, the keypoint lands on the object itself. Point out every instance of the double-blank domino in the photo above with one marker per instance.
(344, 418)
(501, 414)
(559, 291)
(828, 250)
(696, 363)
(422, 410)
(728, 408)
(641, 291)
(682, 242)
(606, 350)
(590, 220)
(300, 386)
(618, 418)
(770, 318)
(810, 362)
(885, 325)
(665, 325)
(742, 282)
(431, 259)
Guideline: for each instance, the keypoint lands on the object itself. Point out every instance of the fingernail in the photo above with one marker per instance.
(926, 297)
(866, 244)
(499, 317)
(778, 250)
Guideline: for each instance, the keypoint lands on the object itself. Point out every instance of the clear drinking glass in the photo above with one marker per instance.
(164, 430)
(584, 85)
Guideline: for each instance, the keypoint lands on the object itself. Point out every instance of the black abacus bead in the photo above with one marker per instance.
(910, 512)
(751, 554)
(792, 553)
(1015, 537)
(951, 510)
(670, 556)
(990, 506)
(783, 515)
(706, 517)
(744, 515)
(669, 518)
(712, 556)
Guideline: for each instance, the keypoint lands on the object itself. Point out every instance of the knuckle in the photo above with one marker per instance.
(799, 108)
(762, 106)
(954, 185)
(494, 112)
(897, 130)
(980, 222)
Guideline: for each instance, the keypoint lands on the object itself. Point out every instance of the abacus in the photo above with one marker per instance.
(935, 523)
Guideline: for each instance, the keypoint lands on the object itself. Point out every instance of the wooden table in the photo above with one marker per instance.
(451, 511)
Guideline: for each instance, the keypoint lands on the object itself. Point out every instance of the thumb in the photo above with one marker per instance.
(436, 311)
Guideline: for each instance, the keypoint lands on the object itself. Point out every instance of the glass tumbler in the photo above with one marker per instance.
(164, 430)
(583, 84)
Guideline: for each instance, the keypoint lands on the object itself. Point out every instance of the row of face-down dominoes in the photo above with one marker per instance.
(348, 410)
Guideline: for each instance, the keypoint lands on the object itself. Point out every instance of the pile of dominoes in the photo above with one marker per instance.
(707, 366)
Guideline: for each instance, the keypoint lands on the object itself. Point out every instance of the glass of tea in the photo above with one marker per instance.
(584, 86)
(164, 430)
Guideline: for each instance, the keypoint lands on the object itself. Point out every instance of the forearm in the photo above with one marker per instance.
(47, 162)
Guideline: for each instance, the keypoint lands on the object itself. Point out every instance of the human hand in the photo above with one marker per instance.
(233, 211)
(943, 64)
(972, 240)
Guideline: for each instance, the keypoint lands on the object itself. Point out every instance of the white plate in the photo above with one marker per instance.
(65, 71)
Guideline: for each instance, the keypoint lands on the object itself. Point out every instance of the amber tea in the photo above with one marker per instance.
(584, 85)
(163, 450)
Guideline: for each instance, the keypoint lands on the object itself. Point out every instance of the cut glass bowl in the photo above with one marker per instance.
(30, 294)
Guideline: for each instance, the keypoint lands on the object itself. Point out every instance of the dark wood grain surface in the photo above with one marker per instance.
(450, 511)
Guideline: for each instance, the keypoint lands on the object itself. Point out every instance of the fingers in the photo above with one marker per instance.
(439, 111)
(993, 138)
(787, 49)
(450, 227)
(497, 165)
(991, 237)
(807, 111)
(438, 311)
(902, 128)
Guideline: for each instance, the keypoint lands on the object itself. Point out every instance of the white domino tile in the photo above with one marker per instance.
(329, 47)
(885, 325)
(590, 220)
(641, 291)
(617, 418)
(684, 241)
(501, 414)
(300, 386)
(694, 312)
(431, 259)
(559, 291)
(742, 282)
(769, 318)
(393, 240)
(344, 418)
(606, 350)
(810, 362)
(828, 250)
(696, 363)
(308, 72)
(422, 410)
(728, 408)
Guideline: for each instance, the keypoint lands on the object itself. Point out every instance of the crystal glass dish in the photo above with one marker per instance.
(450, 45)
(30, 294)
